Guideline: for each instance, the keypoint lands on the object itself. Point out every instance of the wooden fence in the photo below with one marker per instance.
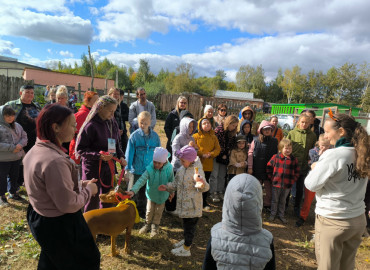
(9, 88)
(196, 104)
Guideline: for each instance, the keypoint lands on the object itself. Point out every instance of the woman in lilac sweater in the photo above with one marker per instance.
(56, 196)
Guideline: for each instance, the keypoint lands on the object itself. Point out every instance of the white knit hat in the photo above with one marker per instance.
(207, 107)
(160, 155)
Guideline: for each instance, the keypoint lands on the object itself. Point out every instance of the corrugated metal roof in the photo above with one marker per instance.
(234, 95)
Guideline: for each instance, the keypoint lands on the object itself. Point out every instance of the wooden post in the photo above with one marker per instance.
(106, 86)
(128, 97)
(117, 78)
(79, 92)
(92, 70)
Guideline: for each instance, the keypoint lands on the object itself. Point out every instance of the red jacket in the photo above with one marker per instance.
(80, 119)
(283, 171)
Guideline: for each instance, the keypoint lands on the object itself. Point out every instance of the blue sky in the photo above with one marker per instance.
(210, 35)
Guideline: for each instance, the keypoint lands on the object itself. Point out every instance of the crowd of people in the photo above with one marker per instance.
(65, 158)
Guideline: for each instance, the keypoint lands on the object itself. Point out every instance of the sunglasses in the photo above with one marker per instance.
(222, 110)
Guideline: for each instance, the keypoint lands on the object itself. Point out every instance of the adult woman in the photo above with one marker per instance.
(226, 137)
(56, 196)
(277, 133)
(173, 120)
(339, 179)
(62, 97)
(90, 98)
(98, 133)
(222, 113)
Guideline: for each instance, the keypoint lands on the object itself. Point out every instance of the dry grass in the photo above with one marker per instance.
(293, 250)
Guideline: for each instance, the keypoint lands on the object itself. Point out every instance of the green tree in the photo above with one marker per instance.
(249, 79)
(293, 83)
(365, 77)
(143, 74)
(351, 86)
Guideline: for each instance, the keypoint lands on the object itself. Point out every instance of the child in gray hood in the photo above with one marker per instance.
(239, 241)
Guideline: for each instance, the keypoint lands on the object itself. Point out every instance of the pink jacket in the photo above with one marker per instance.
(52, 181)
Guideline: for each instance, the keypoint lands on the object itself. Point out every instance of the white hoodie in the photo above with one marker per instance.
(339, 191)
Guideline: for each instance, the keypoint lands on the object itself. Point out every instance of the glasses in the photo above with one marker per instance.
(222, 110)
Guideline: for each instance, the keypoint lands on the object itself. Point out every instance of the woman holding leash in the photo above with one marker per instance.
(56, 195)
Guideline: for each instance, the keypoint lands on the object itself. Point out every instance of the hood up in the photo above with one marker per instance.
(248, 108)
(242, 208)
(184, 126)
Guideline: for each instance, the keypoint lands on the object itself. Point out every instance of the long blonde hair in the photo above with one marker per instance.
(178, 102)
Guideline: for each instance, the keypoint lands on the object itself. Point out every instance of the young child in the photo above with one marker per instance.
(13, 138)
(247, 113)
(187, 129)
(238, 157)
(283, 171)
(303, 139)
(260, 152)
(245, 129)
(239, 241)
(208, 149)
(159, 172)
(139, 154)
(189, 198)
(321, 146)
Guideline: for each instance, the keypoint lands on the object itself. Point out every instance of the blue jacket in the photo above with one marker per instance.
(154, 178)
(140, 150)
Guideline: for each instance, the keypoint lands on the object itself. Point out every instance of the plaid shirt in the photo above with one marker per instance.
(283, 171)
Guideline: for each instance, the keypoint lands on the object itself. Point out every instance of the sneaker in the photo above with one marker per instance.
(154, 231)
(271, 218)
(299, 222)
(3, 201)
(221, 196)
(179, 244)
(284, 220)
(15, 197)
(144, 229)
(181, 251)
(214, 197)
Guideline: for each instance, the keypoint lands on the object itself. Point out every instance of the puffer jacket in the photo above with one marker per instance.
(189, 202)
(182, 139)
(153, 178)
(253, 123)
(9, 138)
(207, 142)
(239, 241)
(302, 141)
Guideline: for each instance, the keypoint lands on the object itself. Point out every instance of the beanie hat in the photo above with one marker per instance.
(207, 107)
(160, 155)
(265, 124)
(187, 152)
(241, 138)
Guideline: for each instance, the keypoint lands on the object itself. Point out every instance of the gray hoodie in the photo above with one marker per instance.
(182, 139)
(9, 138)
(239, 241)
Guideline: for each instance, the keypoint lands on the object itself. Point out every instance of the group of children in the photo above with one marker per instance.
(216, 156)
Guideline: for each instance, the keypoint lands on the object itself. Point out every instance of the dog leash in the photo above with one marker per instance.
(112, 171)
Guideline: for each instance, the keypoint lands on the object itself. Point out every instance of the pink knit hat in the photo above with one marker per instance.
(187, 152)
(265, 124)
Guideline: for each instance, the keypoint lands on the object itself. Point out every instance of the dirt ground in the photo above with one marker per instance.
(293, 248)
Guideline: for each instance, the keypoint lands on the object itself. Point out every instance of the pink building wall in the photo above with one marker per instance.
(43, 77)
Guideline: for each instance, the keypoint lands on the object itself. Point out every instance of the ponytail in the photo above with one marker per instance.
(357, 135)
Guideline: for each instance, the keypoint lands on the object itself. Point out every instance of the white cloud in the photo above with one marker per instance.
(50, 51)
(132, 19)
(66, 54)
(7, 48)
(44, 21)
(94, 11)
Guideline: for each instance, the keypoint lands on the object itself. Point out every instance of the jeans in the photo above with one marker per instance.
(9, 169)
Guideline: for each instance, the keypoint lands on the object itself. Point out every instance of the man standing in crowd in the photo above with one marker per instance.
(26, 112)
(142, 104)
(124, 116)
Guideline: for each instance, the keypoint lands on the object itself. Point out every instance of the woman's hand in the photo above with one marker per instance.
(106, 157)
(173, 195)
(123, 161)
(85, 182)
(90, 185)
(162, 188)
(130, 193)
